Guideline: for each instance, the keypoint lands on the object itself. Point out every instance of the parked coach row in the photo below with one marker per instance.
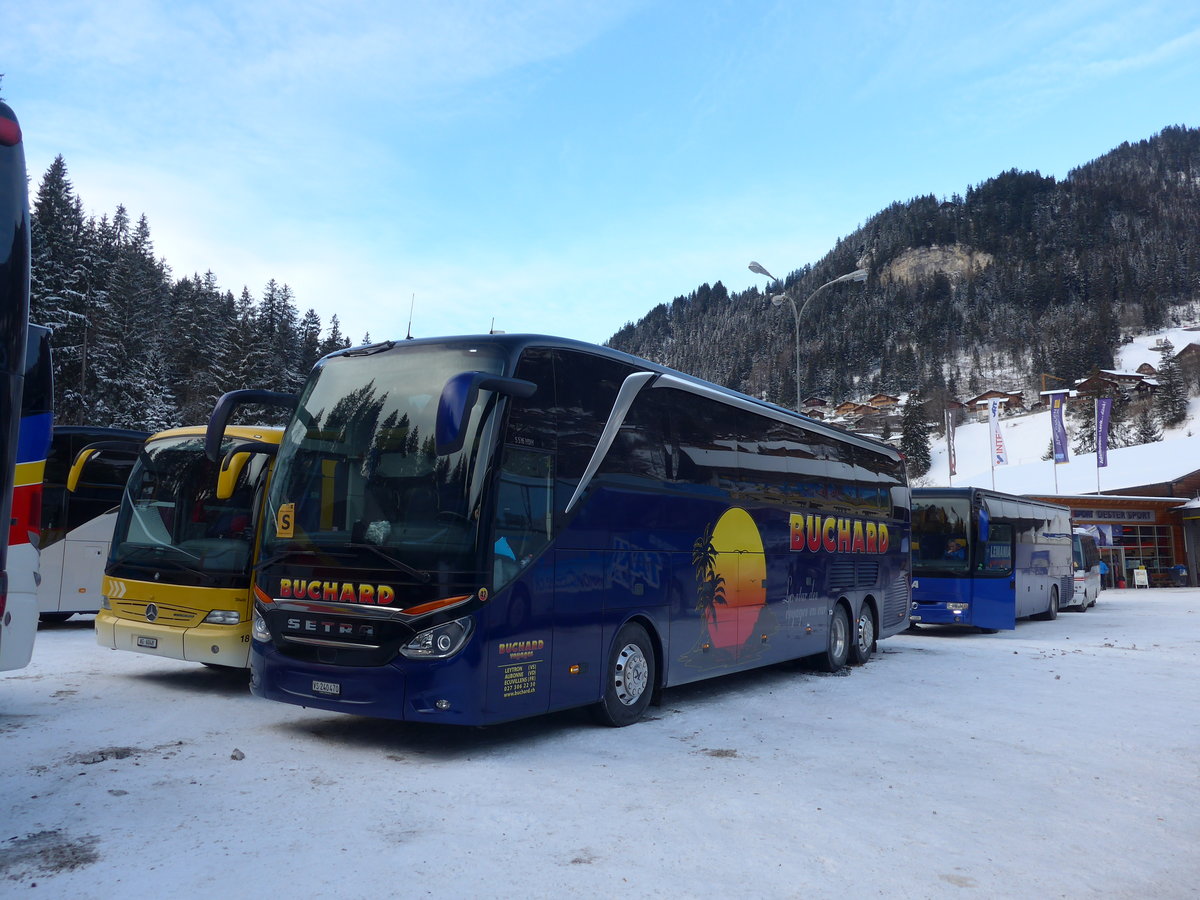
(477, 529)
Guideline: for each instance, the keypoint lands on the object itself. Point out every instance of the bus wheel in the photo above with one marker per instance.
(629, 678)
(864, 636)
(838, 649)
(1052, 613)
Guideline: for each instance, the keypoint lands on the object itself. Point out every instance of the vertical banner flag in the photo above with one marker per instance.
(999, 454)
(1058, 430)
(1103, 413)
(950, 443)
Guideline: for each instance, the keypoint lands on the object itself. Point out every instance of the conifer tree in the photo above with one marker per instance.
(1171, 401)
(914, 437)
(1146, 428)
(335, 339)
(309, 342)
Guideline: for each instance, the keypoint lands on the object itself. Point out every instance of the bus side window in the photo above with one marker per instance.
(524, 511)
(998, 549)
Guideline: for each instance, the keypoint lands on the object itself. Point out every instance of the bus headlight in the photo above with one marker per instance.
(223, 617)
(440, 641)
(258, 628)
(104, 604)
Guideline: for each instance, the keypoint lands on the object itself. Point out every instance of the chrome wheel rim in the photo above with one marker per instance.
(838, 640)
(631, 674)
(866, 631)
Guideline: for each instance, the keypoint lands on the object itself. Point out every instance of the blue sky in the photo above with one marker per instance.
(562, 167)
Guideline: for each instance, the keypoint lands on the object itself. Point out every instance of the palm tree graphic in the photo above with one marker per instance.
(710, 587)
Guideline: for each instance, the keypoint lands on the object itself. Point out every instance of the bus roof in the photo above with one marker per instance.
(981, 492)
(513, 344)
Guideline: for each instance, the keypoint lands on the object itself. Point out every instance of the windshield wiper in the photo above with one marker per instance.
(163, 562)
(423, 577)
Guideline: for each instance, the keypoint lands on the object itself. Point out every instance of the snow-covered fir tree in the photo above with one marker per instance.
(1171, 400)
(914, 437)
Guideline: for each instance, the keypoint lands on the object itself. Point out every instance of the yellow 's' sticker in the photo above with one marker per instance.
(285, 520)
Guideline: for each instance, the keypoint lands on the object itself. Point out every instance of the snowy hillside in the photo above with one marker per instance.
(1027, 438)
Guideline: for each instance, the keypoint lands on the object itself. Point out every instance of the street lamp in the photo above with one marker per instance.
(856, 275)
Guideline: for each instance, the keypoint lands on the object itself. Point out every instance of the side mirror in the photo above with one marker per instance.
(459, 396)
(984, 525)
(228, 403)
(235, 460)
(127, 449)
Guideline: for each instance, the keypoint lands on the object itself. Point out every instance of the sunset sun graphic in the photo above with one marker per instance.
(730, 578)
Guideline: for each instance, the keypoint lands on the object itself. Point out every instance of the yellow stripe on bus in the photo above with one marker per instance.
(30, 473)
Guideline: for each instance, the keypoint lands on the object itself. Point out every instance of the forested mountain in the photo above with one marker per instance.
(1023, 275)
(135, 347)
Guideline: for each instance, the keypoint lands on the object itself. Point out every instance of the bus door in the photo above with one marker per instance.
(993, 600)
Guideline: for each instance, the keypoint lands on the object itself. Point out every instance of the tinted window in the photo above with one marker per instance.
(706, 434)
(524, 512)
(586, 387)
(533, 421)
(640, 448)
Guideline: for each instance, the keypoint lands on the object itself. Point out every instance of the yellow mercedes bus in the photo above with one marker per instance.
(177, 580)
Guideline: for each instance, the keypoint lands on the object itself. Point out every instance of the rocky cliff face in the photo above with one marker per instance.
(956, 262)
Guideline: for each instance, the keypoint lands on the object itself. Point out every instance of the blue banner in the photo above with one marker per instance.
(1057, 429)
(1103, 413)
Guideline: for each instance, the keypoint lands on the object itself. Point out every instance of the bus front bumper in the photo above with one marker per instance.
(218, 645)
(425, 693)
(940, 613)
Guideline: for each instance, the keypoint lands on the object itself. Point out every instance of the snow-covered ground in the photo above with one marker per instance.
(1059, 760)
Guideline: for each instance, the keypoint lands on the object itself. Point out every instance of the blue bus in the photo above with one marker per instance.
(986, 559)
(471, 530)
(18, 618)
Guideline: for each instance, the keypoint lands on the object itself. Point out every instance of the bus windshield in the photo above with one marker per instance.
(172, 522)
(359, 471)
(941, 535)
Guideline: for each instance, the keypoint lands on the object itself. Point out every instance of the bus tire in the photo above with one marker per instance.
(863, 644)
(628, 678)
(837, 650)
(1052, 613)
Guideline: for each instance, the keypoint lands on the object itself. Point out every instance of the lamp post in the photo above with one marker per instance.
(797, 314)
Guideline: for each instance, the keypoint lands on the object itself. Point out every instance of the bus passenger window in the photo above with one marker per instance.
(998, 551)
(524, 511)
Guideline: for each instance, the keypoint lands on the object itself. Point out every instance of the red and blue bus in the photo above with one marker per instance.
(18, 613)
(471, 530)
(986, 559)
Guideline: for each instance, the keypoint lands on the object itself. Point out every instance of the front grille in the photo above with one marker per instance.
(167, 613)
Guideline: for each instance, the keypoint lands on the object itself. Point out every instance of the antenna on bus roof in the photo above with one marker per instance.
(492, 327)
(410, 315)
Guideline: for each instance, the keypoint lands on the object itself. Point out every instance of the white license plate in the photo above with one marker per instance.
(148, 643)
(326, 687)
